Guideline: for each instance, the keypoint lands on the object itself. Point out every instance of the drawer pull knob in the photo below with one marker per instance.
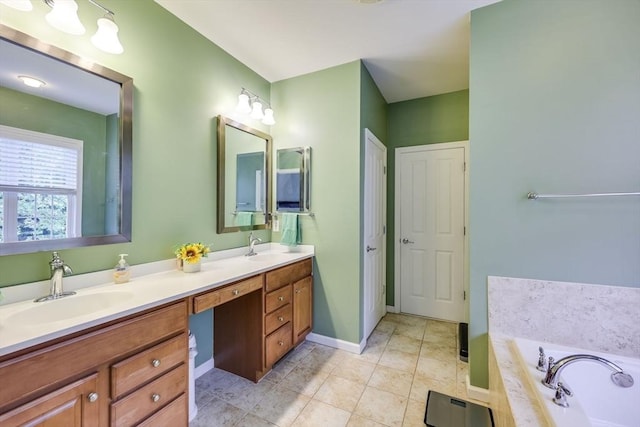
(281, 298)
(155, 397)
(280, 343)
(297, 291)
(92, 397)
(280, 318)
(236, 292)
(155, 363)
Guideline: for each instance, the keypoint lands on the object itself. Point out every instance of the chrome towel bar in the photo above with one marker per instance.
(535, 196)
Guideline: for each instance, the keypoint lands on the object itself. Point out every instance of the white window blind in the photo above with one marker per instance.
(30, 161)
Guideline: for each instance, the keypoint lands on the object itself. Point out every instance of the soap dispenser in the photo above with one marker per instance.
(121, 272)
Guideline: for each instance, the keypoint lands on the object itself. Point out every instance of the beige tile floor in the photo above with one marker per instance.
(315, 385)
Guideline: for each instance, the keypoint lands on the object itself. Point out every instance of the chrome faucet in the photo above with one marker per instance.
(619, 377)
(58, 270)
(252, 244)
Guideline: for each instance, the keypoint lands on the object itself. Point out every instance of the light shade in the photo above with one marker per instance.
(256, 112)
(64, 17)
(106, 38)
(23, 5)
(268, 117)
(243, 104)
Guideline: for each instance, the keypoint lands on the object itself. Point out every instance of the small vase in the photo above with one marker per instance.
(189, 267)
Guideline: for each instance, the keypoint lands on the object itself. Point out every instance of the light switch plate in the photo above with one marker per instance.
(276, 224)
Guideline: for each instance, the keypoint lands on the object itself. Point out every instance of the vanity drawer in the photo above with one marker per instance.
(219, 296)
(288, 274)
(278, 318)
(130, 373)
(277, 299)
(150, 398)
(277, 344)
(174, 414)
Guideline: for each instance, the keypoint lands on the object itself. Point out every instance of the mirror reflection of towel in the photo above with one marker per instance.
(291, 232)
(244, 219)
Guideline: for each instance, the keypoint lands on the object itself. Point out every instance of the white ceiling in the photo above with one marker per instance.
(64, 83)
(412, 48)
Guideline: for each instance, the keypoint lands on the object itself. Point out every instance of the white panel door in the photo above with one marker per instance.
(375, 190)
(431, 234)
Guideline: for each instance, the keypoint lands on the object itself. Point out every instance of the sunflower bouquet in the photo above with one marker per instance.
(192, 252)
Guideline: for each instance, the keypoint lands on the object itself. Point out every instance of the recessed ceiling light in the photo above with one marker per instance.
(31, 81)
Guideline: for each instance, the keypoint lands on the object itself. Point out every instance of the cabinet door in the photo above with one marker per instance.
(302, 308)
(74, 405)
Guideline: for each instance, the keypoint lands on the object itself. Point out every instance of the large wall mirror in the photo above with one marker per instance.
(244, 168)
(65, 149)
(293, 179)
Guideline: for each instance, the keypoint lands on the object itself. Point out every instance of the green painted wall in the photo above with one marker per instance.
(23, 111)
(178, 93)
(182, 82)
(554, 108)
(321, 110)
(430, 120)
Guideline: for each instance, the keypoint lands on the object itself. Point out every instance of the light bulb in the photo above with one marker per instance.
(64, 17)
(106, 38)
(268, 117)
(31, 81)
(256, 112)
(23, 5)
(243, 104)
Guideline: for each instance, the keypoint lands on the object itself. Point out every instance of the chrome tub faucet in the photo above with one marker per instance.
(58, 270)
(618, 377)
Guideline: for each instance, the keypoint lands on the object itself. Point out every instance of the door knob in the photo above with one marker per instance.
(405, 241)
(369, 249)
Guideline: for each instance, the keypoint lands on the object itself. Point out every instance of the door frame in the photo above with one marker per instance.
(396, 226)
(370, 136)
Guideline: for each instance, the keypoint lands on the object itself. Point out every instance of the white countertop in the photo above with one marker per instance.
(142, 292)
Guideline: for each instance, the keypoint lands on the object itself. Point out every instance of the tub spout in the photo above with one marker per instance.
(619, 377)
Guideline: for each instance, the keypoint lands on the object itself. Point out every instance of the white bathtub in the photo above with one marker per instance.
(596, 401)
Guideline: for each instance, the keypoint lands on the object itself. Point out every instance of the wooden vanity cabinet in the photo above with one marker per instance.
(288, 309)
(237, 325)
(118, 374)
(302, 309)
(69, 406)
(259, 319)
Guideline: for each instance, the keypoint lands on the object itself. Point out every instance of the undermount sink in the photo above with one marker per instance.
(68, 307)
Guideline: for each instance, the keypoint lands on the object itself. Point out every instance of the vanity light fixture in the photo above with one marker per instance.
(64, 17)
(249, 102)
(22, 5)
(106, 38)
(32, 81)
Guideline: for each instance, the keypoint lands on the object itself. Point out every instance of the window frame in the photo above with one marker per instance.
(74, 197)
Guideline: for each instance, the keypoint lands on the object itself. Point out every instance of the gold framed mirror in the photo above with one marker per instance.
(244, 177)
(97, 210)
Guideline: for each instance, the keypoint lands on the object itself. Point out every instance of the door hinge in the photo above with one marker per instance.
(464, 166)
(464, 295)
(384, 170)
(384, 229)
(464, 231)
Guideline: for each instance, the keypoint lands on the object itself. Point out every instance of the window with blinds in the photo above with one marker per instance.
(40, 185)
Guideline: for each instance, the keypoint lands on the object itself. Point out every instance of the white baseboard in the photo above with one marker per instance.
(337, 343)
(392, 309)
(477, 393)
(203, 368)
